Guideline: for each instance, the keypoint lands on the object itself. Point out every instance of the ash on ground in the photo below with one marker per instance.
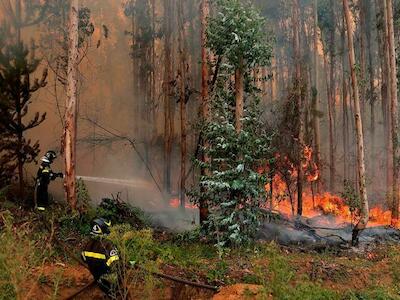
(321, 232)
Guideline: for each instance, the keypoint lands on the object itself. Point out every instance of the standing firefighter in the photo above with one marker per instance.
(43, 178)
(101, 256)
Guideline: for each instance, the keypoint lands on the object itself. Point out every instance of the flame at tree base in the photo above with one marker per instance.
(328, 204)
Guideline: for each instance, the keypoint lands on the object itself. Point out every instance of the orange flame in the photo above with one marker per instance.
(175, 203)
(324, 204)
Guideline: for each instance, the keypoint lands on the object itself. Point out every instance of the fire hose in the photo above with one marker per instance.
(157, 274)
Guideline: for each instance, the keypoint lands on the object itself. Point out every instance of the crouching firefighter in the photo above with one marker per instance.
(102, 259)
(44, 175)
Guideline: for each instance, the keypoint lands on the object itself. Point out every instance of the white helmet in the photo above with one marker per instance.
(49, 157)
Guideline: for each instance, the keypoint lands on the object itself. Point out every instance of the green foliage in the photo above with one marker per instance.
(119, 212)
(310, 291)
(234, 187)
(17, 86)
(54, 38)
(18, 257)
(138, 255)
(238, 31)
(82, 195)
(218, 273)
(326, 21)
(375, 293)
(190, 236)
(76, 224)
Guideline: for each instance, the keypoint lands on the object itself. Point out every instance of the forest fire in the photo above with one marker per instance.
(175, 203)
(321, 204)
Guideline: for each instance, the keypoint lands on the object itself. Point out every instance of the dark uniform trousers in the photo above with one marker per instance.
(43, 178)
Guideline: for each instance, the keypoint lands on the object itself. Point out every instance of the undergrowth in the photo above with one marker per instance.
(18, 258)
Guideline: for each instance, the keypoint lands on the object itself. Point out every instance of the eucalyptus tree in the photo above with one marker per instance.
(238, 145)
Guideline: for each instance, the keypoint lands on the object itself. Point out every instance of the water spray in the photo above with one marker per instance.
(122, 182)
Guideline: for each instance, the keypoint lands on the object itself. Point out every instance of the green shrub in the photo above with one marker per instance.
(18, 257)
(138, 256)
(119, 212)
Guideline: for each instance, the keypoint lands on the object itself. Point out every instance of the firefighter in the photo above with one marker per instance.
(44, 175)
(101, 257)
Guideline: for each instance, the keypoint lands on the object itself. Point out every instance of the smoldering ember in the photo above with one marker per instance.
(199, 149)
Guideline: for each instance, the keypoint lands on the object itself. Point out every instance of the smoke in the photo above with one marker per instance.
(315, 233)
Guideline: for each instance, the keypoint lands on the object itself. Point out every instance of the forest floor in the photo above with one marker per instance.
(270, 272)
(262, 271)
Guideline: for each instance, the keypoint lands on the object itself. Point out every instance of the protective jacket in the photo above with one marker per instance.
(43, 177)
(101, 257)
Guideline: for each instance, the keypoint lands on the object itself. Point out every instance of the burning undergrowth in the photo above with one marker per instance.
(327, 221)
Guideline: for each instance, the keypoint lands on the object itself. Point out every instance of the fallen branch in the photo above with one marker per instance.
(180, 280)
(80, 290)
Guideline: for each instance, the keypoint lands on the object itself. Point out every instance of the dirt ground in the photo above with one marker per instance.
(60, 281)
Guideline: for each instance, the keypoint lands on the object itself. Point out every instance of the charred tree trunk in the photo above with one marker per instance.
(182, 101)
(394, 113)
(71, 108)
(315, 100)
(167, 96)
(204, 95)
(296, 44)
(364, 212)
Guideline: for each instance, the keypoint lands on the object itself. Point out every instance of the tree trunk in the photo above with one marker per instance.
(362, 57)
(167, 96)
(239, 96)
(204, 95)
(315, 103)
(368, 27)
(364, 213)
(71, 108)
(386, 95)
(345, 106)
(182, 101)
(296, 44)
(331, 103)
(393, 108)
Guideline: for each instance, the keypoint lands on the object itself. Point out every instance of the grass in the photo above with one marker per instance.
(280, 273)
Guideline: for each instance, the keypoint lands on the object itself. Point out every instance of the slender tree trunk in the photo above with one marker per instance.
(182, 101)
(386, 95)
(345, 106)
(296, 44)
(315, 102)
(71, 108)
(368, 20)
(167, 96)
(363, 68)
(364, 212)
(204, 13)
(239, 95)
(331, 102)
(394, 112)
